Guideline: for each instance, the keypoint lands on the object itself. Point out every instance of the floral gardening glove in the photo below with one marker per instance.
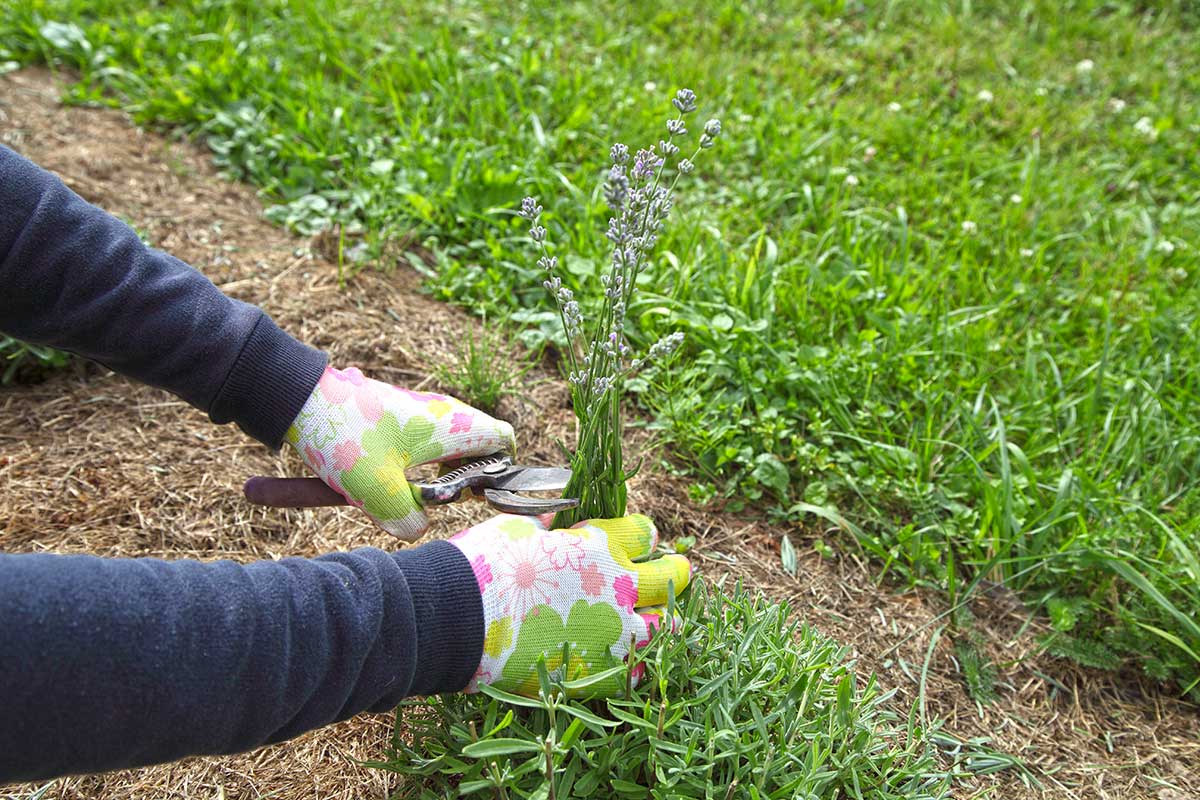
(577, 585)
(360, 435)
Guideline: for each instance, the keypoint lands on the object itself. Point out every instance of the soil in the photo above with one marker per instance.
(93, 462)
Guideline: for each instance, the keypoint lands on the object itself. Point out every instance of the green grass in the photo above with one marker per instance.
(964, 328)
(783, 715)
(21, 362)
(484, 369)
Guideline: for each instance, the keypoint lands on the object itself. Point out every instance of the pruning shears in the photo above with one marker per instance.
(496, 477)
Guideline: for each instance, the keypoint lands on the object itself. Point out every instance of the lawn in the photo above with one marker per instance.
(938, 278)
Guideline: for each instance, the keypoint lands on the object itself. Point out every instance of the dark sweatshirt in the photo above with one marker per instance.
(112, 663)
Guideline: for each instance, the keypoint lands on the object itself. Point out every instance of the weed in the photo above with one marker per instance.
(483, 371)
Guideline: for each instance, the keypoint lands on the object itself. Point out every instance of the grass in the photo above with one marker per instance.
(942, 288)
(783, 715)
(21, 362)
(484, 370)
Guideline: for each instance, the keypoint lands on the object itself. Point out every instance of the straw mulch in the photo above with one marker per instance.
(92, 462)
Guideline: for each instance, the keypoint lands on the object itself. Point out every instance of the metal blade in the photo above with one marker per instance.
(535, 479)
(512, 503)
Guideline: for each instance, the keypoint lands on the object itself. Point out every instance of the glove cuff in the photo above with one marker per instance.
(270, 382)
(448, 610)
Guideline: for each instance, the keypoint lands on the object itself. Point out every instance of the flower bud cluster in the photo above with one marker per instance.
(639, 195)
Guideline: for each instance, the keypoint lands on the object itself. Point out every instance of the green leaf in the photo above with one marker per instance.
(490, 748)
(628, 788)
(501, 725)
(571, 734)
(788, 555)
(509, 697)
(470, 787)
(770, 472)
(421, 205)
(595, 678)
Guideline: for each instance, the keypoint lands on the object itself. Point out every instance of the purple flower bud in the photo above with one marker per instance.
(675, 127)
(713, 128)
(530, 209)
(619, 153)
(685, 101)
(686, 165)
(645, 164)
(667, 148)
(537, 233)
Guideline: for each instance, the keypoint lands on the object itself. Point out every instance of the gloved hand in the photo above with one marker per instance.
(579, 585)
(360, 435)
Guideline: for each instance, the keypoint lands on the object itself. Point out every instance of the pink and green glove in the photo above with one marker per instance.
(360, 435)
(580, 585)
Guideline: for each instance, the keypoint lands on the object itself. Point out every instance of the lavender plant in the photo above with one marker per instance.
(599, 357)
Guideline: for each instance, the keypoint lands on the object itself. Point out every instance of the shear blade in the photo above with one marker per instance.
(536, 479)
(513, 503)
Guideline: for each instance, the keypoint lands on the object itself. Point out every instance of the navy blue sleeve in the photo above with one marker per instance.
(114, 663)
(77, 278)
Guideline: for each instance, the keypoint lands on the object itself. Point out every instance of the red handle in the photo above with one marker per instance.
(291, 492)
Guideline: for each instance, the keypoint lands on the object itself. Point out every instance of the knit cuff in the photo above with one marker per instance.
(448, 610)
(269, 383)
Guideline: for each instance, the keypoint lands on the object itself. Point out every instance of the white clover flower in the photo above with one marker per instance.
(649, 86)
(869, 154)
(985, 96)
(1085, 66)
(1015, 199)
(1165, 246)
(1040, 91)
(1026, 252)
(1146, 128)
(1116, 105)
(851, 181)
(969, 227)
(893, 106)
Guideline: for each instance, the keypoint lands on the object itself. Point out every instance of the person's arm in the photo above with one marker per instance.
(77, 278)
(114, 663)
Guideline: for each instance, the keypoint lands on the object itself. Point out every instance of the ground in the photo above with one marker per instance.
(92, 462)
